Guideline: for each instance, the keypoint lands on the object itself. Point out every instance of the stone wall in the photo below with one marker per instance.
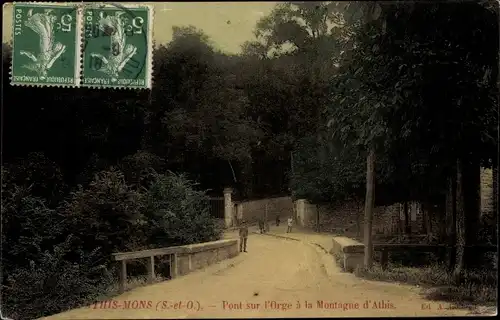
(346, 217)
(334, 218)
(486, 190)
(200, 255)
(350, 251)
(252, 210)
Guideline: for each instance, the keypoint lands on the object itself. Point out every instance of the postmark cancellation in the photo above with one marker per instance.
(82, 45)
(117, 46)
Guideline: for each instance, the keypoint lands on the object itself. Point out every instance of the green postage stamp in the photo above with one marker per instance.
(82, 45)
(45, 45)
(117, 46)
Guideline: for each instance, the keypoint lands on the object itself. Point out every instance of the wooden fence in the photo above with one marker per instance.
(440, 249)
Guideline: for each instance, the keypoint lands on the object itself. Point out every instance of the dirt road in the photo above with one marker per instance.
(276, 278)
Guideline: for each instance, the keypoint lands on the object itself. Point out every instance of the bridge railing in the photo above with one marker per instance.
(149, 254)
(181, 259)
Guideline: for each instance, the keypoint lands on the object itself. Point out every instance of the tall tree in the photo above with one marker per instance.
(299, 43)
(421, 93)
(203, 112)
(362, 124)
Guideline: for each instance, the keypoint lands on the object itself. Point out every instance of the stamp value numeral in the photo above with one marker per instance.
(137, 24)
(93, 30)
(65, 24)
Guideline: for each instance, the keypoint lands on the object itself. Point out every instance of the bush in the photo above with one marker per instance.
(44, 272)
(29, 227)
(59, 259)
(39, 174)
(177, 214)
(139, 168)
(52, 284)
(107, 215)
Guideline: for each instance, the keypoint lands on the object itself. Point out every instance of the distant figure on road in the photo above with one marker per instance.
(290, 224)
(261, 225)
(277, 220)
(243, 236)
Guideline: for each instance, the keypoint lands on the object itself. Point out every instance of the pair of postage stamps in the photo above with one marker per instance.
(82, 45)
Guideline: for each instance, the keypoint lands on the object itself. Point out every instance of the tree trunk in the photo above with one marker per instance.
(472, 204)
(407, 228)
(400, 222)
(247, 175)
(495, 192)
(369, 204)
(441, 215)
(428, 220)
(292, 177)
(423, 226)
(266, 225)
(451, 213)
(317, 218)
(358, 219)
(460, 224)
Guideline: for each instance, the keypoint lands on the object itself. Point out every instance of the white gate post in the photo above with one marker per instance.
(228, 207)
(300, 211)
(239, 211)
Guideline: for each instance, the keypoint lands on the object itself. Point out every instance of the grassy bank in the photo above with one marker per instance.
(479, 287)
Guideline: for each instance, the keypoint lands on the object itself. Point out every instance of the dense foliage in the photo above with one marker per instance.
(323, 86)
(58, 258)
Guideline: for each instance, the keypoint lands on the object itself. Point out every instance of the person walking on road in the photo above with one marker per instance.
(277, 220)
(290, 223)
(243, 236)
(261, 225)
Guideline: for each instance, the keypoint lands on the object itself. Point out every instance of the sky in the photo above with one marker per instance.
(211, 17)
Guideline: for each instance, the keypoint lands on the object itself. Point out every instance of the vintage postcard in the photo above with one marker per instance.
(187, 160)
